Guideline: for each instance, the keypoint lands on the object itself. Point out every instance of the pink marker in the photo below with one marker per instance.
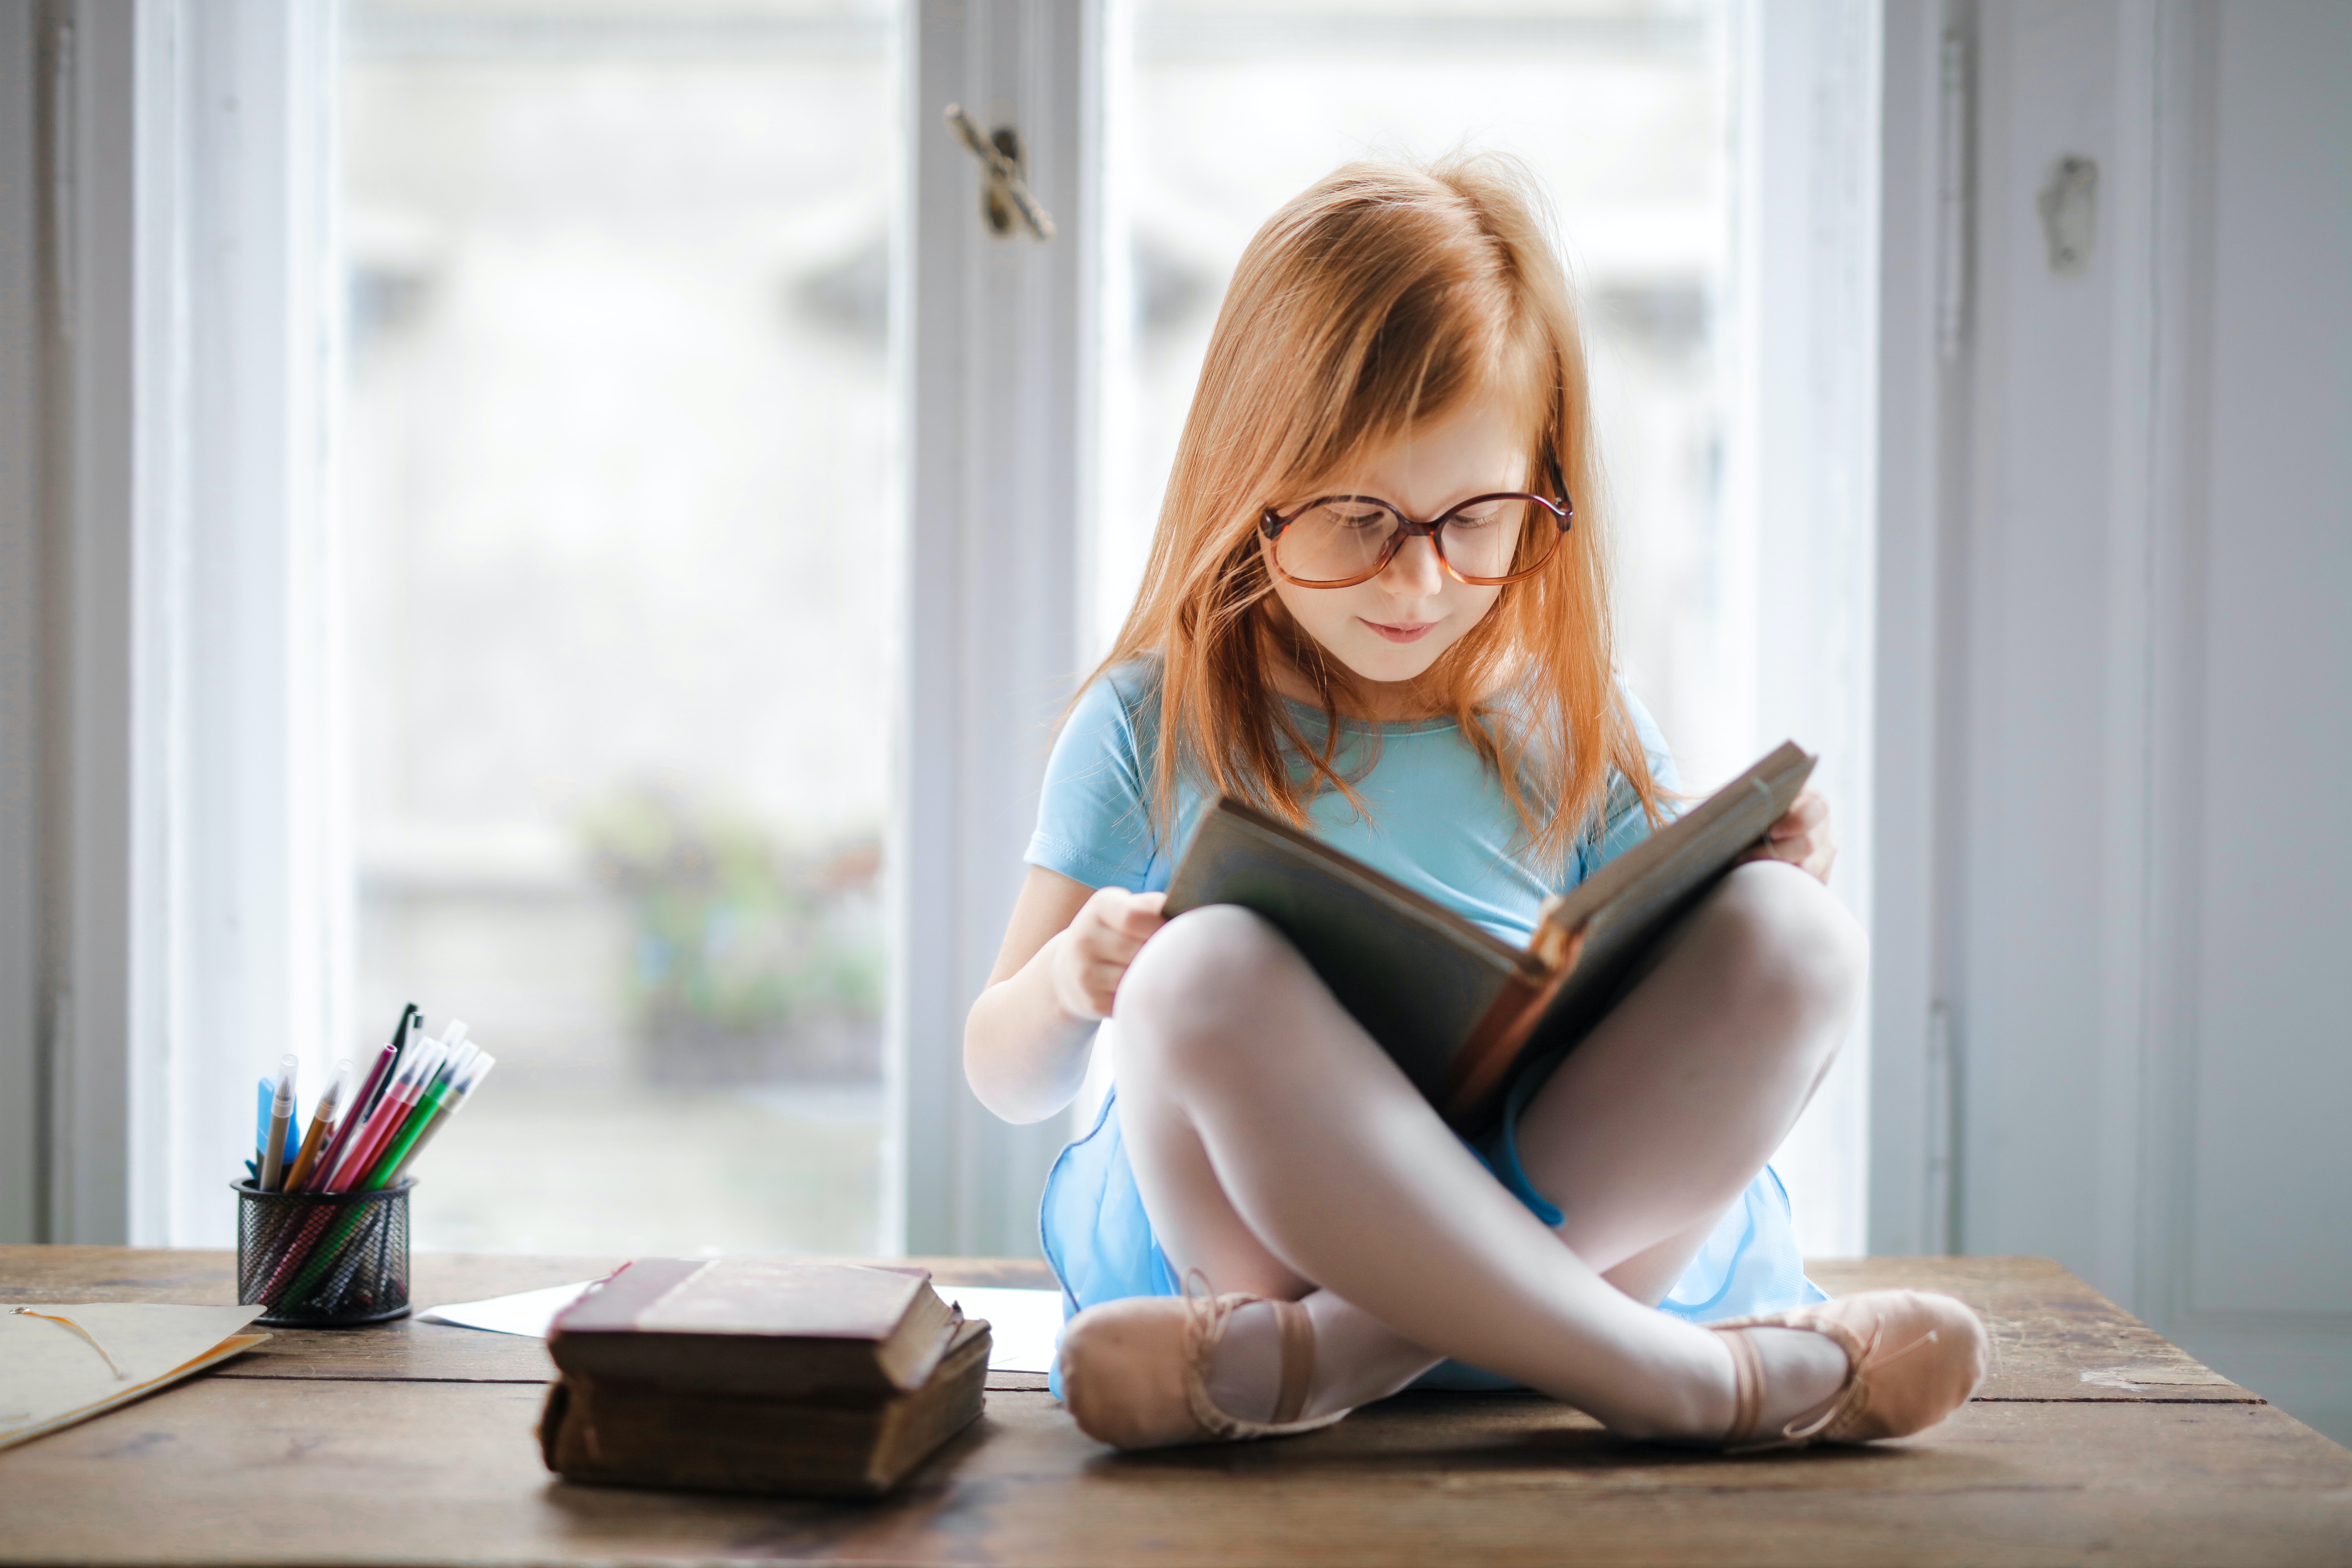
(390, 1113)
(339, 1142)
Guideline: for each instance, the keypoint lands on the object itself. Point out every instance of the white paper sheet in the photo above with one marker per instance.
(1023, 1325)
(528, 1312)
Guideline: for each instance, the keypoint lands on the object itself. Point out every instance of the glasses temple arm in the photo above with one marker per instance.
(1559, 484)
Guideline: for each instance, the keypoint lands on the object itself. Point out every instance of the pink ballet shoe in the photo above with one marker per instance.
(1913, 1357)
(1135, 1373)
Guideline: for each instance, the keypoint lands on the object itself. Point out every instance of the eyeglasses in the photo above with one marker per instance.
(1337, 542)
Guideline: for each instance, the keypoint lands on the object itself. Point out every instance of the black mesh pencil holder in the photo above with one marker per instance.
(322, 1259)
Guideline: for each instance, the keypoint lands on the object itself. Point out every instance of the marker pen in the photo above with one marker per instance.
(281, 1117)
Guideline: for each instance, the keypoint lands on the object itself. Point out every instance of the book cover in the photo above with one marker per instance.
(1455, 1006)
(632, 1435)
(770, 1327)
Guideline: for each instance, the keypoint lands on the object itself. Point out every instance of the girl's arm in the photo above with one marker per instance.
(1024, 1044)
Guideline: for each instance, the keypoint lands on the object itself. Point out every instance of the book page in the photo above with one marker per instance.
(50, 1375)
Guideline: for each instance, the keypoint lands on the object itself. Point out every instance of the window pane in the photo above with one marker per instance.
(619, 585)
(1619, 108)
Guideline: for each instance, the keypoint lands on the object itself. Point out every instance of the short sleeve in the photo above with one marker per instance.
(1623, 823)
(1094, 819)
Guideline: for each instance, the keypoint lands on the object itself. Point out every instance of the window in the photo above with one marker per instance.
(725, 515)
(621, 572)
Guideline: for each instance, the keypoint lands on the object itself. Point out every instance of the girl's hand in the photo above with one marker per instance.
(1802, 837)
(1101, 941)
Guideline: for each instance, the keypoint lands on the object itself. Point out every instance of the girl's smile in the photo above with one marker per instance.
(1411, 631)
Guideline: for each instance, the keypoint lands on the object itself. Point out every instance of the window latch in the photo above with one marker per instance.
(1005, 198)
(2068, 205)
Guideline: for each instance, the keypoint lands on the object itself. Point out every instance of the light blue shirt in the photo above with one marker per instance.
(1436, 818)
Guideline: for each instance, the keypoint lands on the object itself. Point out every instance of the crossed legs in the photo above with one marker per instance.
(1279, 1150)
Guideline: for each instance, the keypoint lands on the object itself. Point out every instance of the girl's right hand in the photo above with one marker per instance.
(1102, 940)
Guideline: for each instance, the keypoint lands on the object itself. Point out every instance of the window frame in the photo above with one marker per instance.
(998, 348)
(186, 811)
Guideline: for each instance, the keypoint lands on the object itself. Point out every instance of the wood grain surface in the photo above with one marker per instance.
(412, 1443)
(405, 1349)
(2053, 1337)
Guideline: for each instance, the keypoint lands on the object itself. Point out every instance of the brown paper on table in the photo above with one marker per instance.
(51, 1376)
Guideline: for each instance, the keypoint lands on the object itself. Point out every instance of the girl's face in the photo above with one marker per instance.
(1391, 627)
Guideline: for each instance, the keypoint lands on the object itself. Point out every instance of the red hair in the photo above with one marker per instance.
(1383, 296)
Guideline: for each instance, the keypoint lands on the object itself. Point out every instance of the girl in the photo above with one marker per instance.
(1374, 607)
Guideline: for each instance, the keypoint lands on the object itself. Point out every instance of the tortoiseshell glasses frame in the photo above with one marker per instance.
(1559, 508)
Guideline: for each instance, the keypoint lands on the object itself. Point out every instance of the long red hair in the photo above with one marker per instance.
(1384, 295)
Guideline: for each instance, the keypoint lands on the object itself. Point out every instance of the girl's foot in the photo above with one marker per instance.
(1138, 1373)
(1912, 1358)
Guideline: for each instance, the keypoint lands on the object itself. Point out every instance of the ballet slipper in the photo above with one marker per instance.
(1913, 1357)
(1135, 1372)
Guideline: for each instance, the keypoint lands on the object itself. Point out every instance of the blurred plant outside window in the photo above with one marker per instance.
(619, 578)
(1621, 109)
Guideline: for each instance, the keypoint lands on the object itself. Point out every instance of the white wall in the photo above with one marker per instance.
(2120, 664)
(2258, 732)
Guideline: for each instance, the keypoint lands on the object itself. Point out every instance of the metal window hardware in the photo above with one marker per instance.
(1006, 196)
(1952, 200)
(2068, 205)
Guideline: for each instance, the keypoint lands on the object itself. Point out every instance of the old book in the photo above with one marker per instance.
(1456, 1006)
(633, 1435)
(771, 1328)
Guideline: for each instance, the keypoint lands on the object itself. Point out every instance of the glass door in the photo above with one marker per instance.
(620, 590)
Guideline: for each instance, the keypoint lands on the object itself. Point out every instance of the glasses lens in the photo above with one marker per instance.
(1334, 541)
(1497, 537)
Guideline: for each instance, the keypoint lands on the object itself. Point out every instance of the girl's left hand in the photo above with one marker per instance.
(1802, 837)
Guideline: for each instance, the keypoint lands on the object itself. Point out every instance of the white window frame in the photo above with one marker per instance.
(185, 808)
(1922, 268)
(1800, 488)
(24, 591)
(997, 351)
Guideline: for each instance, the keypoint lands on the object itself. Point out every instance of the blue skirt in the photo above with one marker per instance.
(1100, 1244)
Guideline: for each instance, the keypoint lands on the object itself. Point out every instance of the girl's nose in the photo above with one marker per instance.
(1416, 570)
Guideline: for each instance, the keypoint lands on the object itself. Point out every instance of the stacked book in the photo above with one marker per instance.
(759, 1375)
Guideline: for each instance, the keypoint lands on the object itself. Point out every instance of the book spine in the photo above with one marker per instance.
(1475, 1073)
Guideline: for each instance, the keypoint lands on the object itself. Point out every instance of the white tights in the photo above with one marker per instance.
(1279, 1150)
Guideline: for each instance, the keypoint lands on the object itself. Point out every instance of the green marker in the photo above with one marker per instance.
(476, 1071)
(436, 1097)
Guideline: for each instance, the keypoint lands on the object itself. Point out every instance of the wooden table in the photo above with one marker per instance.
(412, 1443)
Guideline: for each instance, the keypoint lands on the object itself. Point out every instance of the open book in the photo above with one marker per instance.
(1456, 1006)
